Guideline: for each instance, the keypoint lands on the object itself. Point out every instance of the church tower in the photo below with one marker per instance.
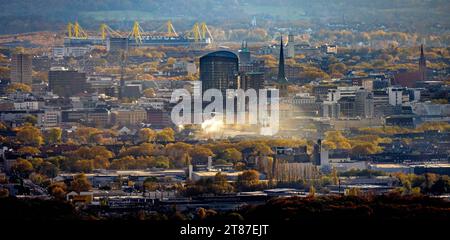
(422, 65)
(281, 79)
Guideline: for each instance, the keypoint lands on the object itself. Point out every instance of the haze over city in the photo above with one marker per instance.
(223, 111)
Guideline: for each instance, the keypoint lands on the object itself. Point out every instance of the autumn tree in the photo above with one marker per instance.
(145, 149)
(22, 167)
(200, 154)
(147, 135)
(335, 140)
(29, 135)
(27, 150)
(151, 184)
(48, 169)
(85, 166)
(149, 93)
(80, 183)
(166, 135)
(58, 190)
(312, 191)
(232, 155)
(53, 135)
(18, 87)
(178, 153)
(86, 135)
(248, 179)
(262, 149)
(365, 148)
(31, 119)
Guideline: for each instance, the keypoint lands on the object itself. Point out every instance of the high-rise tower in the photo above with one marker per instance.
(219, 70)
(21, 68)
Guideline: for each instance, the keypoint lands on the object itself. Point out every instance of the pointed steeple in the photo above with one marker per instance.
(281, 74)
(282, 80)
(422, 64)
(422, 59)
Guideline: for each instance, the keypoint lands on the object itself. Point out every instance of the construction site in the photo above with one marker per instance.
(198, 36)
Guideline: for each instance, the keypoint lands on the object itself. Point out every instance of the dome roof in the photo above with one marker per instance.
(225, 54)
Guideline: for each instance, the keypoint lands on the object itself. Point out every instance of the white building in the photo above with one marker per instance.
(27, 105)
(60, 52)
(49, 119)
(335, 94)
(395, 96)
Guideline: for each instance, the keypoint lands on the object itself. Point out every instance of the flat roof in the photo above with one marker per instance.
(389, 165)
(213, 173)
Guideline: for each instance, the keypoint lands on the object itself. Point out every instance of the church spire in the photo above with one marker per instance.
(281, 74)
(422, 64)
(282, 80)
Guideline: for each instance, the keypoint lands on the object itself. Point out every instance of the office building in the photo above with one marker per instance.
(364, 104)
(129, 117)
(21, 68)
(252, 80)
(395, 96)
(66, 83)
(219, 70)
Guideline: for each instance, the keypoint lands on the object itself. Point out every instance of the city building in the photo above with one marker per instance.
(291, 46)
(330, 110)
(159, 118)
(129, 117)
(21, 68)
(93, 117)
(364, 104)
(409, 79)
(395, 96)
(219, 70)
(67, 83)
(244, 54)
(252, 80)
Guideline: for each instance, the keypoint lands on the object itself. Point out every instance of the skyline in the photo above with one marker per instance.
(208, 119)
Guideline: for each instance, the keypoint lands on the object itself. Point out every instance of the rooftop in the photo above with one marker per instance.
(225, 54)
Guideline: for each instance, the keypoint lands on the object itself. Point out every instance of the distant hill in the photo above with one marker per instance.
(35, 15)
